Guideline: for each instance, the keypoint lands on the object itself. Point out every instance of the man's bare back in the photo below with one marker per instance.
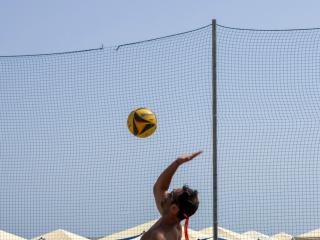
(161, 231)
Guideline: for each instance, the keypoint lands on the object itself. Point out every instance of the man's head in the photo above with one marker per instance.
(180, 202)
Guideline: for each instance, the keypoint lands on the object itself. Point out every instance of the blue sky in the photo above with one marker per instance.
(34, 26)
(62, 154)
(67, 158)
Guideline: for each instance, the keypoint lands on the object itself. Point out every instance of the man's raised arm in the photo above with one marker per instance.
(163, 182)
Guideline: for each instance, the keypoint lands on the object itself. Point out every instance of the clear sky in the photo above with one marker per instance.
(63, 116)
(67, 159)
(35, 26)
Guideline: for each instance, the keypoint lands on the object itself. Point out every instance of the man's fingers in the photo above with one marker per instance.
(193, 155)
(186, 158)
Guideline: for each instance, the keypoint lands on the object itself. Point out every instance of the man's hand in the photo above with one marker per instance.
(186, 158)
(162, 184)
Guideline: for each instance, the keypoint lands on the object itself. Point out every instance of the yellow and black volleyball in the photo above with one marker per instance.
(142, 122)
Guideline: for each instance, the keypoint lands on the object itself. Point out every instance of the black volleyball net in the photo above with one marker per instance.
(68, 164)
(67, 159)
(269, 131)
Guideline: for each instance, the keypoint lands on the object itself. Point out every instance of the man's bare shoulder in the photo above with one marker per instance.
(154, 235)
(157, 235)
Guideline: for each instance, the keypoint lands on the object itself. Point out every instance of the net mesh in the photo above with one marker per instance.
(268, 130)
(67, 159)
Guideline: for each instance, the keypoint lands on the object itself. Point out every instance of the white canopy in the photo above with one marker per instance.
(59, 234)
(256, 235)
(194, 235)
(224, 233)
(8, 236)
(134, 231)
(282, 236)
(313, 233)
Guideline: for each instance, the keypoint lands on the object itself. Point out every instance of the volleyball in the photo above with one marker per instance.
(142, 122)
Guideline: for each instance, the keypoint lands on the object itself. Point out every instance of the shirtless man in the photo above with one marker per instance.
(175, 206)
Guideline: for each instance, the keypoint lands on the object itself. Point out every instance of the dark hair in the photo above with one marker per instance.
(187, 202)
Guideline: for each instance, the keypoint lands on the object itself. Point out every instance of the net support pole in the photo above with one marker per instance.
(214, 131)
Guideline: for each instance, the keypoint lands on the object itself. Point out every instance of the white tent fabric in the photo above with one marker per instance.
(134, 231)
(256, 235)
(194, 235)
(60, 234)
(224, 233)
(8, 236)
(313, 233)
(282, 236)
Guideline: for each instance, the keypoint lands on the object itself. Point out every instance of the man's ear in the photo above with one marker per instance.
(175, 208)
